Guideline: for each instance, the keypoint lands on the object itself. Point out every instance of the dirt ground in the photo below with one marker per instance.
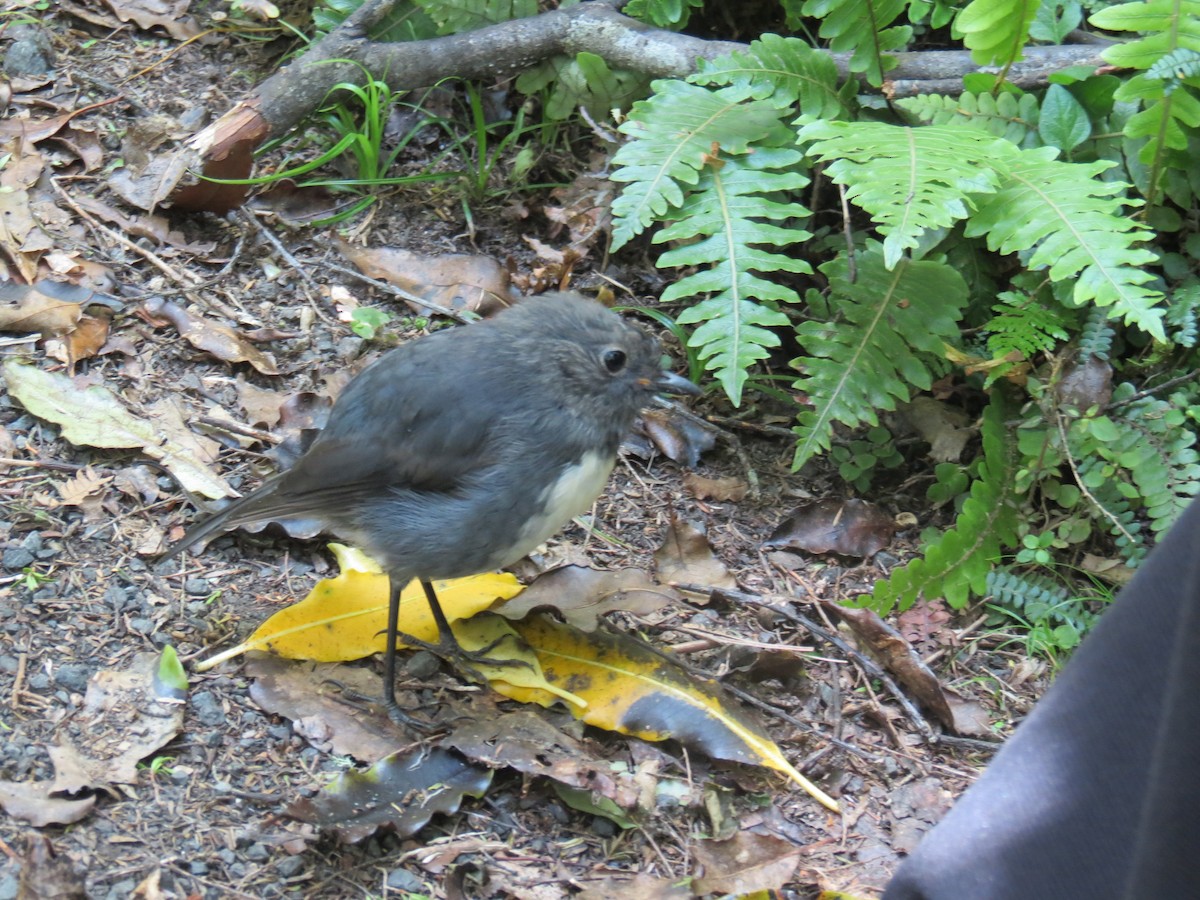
(205, 816)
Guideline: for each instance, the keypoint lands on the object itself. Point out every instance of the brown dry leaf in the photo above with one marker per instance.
(19, 234)
(308, 694)
(940, 425)
(686, 557)
(261, 407)
(1085, 384)
(125, 717)
(216, 338)
(678, 437)
(34, 802)
(847, 527)
(454, 281)
(48, 307)
(1114, 571)
(151, 888)
(85, 490)
(46, 876)
(744, 864)
(528, 743)
(170, 15)
(582, 595)
(886, 645)
(151, 227)
(924, 620)
(300, 206)
(138, 482)
(263, 10)
(88, 339)
(586, 207)
(729, 488)
(640, 887)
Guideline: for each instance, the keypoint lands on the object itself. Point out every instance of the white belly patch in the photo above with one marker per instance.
(573, 493)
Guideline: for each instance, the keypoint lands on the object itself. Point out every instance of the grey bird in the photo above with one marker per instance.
(460, 452)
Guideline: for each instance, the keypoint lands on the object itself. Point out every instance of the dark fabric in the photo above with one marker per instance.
(1097, 794)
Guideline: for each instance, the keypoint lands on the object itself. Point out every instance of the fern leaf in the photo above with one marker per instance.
(672, 14)
(910, 180)
(786, 71)
(1025, 326)
(1183, 316)
(1073, 224)
(457, 16)
(725, 223)
(996, 31)
(1166, 25)
(861, 27)
(1013, 117)
(673, 134)
(957, 564)
(585, 81)
(894, 323)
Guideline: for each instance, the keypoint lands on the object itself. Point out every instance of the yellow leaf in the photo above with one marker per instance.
(631, 689)
(344, 618)
(494, 635)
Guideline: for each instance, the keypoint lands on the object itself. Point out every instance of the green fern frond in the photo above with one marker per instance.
(1024, 325)
(1183, 316)
(996, 31)
(672, 14)
(910, 180)
(893, 325)
(1013, 117)
(585, 81)
(457, 16)
(736, 210)
(861, 27)
(786, 71)
(1038, 598)
(1096, 337)
(1074, 225)
(957, 564)
(1167, 89)
(672, 138)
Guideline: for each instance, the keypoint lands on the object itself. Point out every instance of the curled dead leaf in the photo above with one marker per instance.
(847, 527)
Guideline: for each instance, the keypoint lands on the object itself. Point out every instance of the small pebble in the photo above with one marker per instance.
(208, 708)
(290, 867)
(197, 587)
(404, 880)
(16, 558)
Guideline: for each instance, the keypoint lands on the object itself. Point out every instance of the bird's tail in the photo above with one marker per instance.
(254, 507)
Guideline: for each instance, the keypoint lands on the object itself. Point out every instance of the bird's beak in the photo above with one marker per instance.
(670, 383)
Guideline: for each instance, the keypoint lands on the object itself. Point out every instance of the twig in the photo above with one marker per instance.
(250, 219)
(869, 666)
(39, 464)
(1083, 488)
(398, 292)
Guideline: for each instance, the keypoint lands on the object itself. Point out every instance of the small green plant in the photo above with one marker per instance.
(859, 460)
(158, 766)
(367, 320)
(32, 579)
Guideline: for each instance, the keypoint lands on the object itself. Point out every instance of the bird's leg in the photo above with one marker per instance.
(395, 713)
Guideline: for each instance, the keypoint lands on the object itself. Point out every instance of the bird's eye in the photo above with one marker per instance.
(614, 360)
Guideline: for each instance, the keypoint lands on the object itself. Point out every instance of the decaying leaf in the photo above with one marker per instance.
(47, 876)
(47, 307)
(687, 558)
(847, 527)
(582, 595)
(401, 792)
(678, 437)
(528, 743)
(631, 689)
(216, 338)
(454, 281)
(729, 488)
(311, 695)
(170, 15)
(894, 654)
(940, 425)
(35, 802)
(744, 864)
(94, 417)
(127, 714)
(1085, 384)
(345, 618)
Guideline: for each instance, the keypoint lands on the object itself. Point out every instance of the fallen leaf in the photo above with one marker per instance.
(729, 488)
(678, 437)
(311, 695)
(94, 417)
(49, 308)
(34, 802)
(47, 876)
(212, 337)
(685, 557)
(345, 618)
(582, 595)
(170, 15)
(744, 864)
(847, 527)
(640, 887)
(940, 425)
(629, 688)
(459, 282)
(401, 793)
(526, 742)
(1085, 384)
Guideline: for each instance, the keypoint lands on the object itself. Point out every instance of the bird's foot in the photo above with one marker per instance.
(369, 704)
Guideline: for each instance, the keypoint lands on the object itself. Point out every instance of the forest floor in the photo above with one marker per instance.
(206, 815)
